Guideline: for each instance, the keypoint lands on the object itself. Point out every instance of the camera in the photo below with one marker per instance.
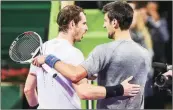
(161, 81)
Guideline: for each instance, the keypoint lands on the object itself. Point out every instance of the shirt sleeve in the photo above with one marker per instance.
(95, 62)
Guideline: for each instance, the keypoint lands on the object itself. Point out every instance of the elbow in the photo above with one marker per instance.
(75, 78)
(84, 95)
(28, 90)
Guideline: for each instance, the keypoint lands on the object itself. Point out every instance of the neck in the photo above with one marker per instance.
(122, 35)
(67, 36)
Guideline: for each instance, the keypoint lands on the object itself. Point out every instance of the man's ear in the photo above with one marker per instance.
(71, 24)
(115, 23)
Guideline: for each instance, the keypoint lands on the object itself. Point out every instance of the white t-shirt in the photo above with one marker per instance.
(51, 94)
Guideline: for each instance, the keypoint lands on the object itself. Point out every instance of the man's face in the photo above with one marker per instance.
(151, 6)
(81, 28)
(109, 26)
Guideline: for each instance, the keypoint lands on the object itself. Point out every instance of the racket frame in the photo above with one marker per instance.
(44, 66)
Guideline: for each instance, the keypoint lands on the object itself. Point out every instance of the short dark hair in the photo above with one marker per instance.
(121, 11)
(67, 14)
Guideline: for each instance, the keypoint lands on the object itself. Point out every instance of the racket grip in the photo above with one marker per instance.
(49, 70)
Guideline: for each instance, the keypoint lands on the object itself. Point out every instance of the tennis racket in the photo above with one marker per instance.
(26, 47)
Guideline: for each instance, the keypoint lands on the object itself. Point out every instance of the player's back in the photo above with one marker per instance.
(125, 58)
(52, 94)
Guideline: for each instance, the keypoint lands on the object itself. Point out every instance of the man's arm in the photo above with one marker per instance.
(74, 73)
(91, 92)
(92, 65)
(30, 90)
(87, 91)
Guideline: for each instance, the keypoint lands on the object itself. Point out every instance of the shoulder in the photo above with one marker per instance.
(101, 47)
(50, 42)
(141, 49)
(109, 46)
(77, 52)
(75, 56)
(106, 48)
(145, 54)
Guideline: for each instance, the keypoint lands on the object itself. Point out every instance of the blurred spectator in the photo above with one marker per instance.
(159, 30)
(157, 26)
(139, 31)
(12, 74)
(136, 35)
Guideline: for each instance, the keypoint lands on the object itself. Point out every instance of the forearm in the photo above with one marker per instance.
(31, 97)
(74, 73)
(90, 92)
(30, 90)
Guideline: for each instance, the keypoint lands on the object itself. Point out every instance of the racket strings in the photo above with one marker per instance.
(23, 48)
(30, 45)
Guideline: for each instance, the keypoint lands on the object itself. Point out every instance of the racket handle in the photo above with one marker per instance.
(49, 70)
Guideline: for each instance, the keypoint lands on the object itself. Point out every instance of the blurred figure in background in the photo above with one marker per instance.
(138, 29)
(136, 35)
(159, 30)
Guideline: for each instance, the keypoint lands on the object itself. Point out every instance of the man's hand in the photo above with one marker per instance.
(39, 60)
(130, 89)
(155, 15)
(168, 73)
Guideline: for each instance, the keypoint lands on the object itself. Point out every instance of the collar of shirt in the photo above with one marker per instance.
(63, 40)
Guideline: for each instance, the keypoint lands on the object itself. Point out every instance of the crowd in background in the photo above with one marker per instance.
(150, 30)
